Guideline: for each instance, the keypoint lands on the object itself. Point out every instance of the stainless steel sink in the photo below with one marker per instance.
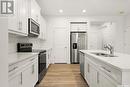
(103, 54)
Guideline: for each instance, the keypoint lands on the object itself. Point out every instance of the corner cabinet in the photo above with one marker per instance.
(24, 74)
(17, 23)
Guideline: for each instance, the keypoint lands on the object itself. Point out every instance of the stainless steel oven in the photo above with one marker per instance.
(33, 27)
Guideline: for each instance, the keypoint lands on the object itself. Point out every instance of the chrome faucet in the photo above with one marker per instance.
(110, 48)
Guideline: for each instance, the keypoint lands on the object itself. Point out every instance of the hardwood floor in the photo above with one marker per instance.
(63, 75)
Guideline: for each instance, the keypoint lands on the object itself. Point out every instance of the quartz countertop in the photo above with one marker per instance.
(17, 57)
(121, 61)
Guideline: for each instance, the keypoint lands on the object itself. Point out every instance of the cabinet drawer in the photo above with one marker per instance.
(18, 67)
(112, 73)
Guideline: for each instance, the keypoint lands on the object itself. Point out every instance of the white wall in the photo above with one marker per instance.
(127, 35)
(95, 35)
(111, 34)
(118, 37)
(3, 52)
(117, 33)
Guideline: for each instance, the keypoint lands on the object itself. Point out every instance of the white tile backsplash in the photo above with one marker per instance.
(13, 40)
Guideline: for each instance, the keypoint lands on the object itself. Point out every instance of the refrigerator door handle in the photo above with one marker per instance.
(74, 45)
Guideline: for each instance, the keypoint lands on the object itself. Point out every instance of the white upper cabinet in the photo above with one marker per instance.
(22, 16)
(79, 26)
(17, 23)
(35, 11)
(42, 28)
(23, 9)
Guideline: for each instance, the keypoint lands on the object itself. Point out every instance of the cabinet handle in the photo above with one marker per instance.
(88, 68)
(48, 56)
(98, 77)
(20, 25)
(31, 59)
(32, 69)
(37, 17)
(21, 78)
(13, 69)
(106, 69)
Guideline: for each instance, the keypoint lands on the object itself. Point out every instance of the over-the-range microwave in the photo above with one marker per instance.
(33, 28)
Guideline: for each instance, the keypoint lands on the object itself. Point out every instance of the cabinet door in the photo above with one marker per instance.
(79, 26)
(41, 36)
(94, 77)
(105, 82)
(87, 70)
(35, 11)
(48, 57)
(48, 60)
(12, 19)
(82, 63)
(17, 23)
(30, 75)
(34, 73)
(22, 16)
(26, 77)
(15, 81)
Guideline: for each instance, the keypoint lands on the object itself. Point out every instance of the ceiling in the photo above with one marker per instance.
(93, 7)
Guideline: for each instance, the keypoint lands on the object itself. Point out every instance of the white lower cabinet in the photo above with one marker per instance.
(105, 82)
(49, 57)
(95, 77)
(27, 76)
(82, 63)
(87, 71)
(15, 81)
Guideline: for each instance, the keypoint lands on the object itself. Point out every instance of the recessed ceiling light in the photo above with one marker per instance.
(61, 11)
(84, 11)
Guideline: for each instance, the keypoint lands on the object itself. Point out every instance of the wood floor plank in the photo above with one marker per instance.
(63, 75)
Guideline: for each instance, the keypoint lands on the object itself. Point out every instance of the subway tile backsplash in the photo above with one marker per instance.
(14, 39)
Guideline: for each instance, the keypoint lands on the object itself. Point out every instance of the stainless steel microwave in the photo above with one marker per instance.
(33, 28)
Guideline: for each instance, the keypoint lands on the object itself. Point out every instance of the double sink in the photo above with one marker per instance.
(103, 54)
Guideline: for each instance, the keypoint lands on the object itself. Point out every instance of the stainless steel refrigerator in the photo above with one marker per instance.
(77, 42)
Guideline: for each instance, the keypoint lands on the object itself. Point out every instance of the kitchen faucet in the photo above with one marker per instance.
(110, 48)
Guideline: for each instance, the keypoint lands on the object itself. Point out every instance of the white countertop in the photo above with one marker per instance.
(17, 57)
(121, 62)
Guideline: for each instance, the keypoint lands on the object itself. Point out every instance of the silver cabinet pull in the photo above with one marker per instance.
(106, 69)
(33, 66)
(20, 25)
(37, 18)
(21, 78)
(13, 69)
(97, 77)
(88, 68)
(31, 59)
